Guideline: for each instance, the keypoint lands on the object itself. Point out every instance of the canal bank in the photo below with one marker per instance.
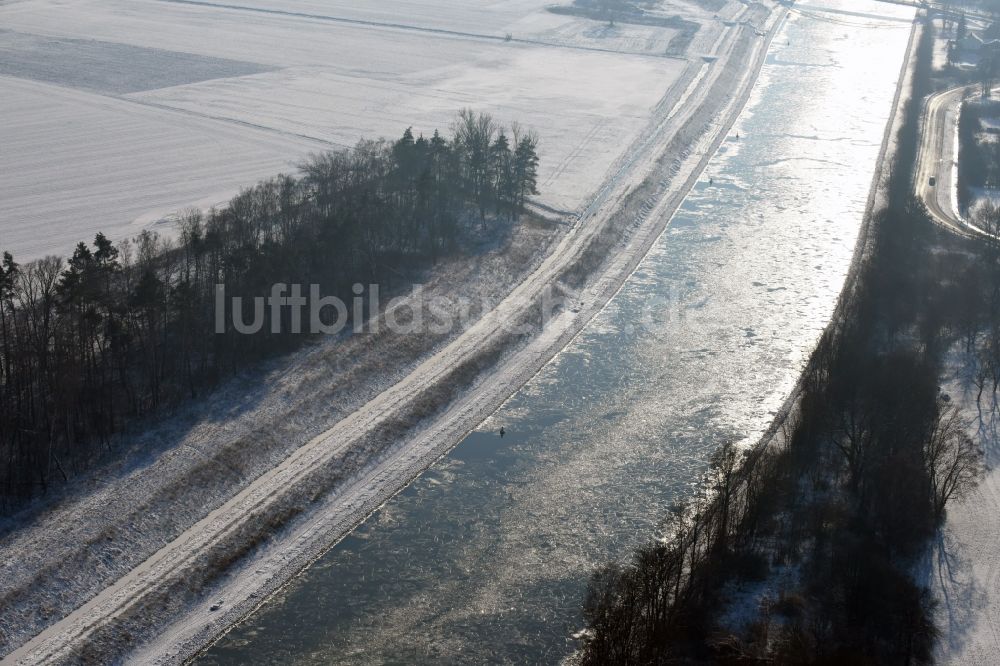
(494, 543)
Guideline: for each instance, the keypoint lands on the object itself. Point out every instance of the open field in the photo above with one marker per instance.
(118, 113)
(151, 588)
(75, 163)
(231, 93)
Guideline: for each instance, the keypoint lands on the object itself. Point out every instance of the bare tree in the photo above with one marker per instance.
(475, 133)
(954, 463)
(609, 8)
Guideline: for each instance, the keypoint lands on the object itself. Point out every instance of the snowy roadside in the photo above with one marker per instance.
(66, 547)
(962, 568)
(677, 145)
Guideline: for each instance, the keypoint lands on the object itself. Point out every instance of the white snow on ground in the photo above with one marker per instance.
(964, 567)
(525, 19)
(110, 520)
(77, 160)
(601, 101)
(281, 412)
(981, 195)
(75, 163)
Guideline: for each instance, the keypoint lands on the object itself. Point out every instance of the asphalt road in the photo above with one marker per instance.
(938, 157)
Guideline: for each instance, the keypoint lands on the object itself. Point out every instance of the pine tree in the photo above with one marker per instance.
(502, 174)
(118, 330)
(526, 169)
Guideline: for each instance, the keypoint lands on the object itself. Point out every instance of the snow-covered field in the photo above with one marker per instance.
(118, 113)
(639, 178)
(75, 163)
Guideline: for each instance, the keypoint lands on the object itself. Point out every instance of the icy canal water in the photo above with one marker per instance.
(485, 557)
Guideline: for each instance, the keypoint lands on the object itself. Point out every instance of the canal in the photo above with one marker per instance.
(485, 557)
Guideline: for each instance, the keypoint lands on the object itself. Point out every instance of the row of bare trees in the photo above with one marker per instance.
(90, 344)
(656, 608)
(829, 521)
(870, 461)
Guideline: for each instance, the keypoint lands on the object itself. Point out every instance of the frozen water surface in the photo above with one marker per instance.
(485, 557)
